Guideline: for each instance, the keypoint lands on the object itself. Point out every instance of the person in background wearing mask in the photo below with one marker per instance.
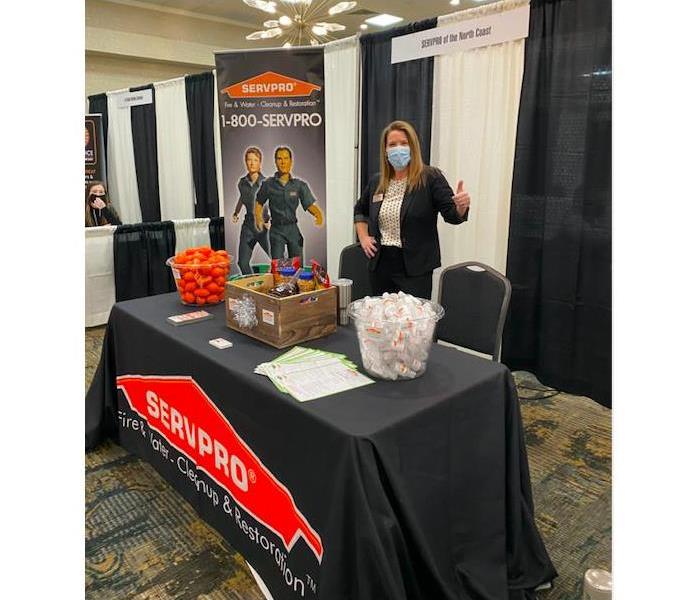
(98, 208)
(396, 215)
(248, 187)
(284, 193)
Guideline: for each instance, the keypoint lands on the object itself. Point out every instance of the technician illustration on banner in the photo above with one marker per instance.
(248, 187)
(283, 192)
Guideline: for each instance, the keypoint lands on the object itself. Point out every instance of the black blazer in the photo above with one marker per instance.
(419, 210)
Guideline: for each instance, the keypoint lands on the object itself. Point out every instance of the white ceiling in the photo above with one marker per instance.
(236, 12)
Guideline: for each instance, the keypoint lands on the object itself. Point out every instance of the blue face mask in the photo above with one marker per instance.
(399, 157)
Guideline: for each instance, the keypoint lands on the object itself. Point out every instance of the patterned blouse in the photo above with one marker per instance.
(390, 213)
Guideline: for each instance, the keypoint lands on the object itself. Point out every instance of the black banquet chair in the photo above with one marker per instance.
(476, 299)
(353, 265)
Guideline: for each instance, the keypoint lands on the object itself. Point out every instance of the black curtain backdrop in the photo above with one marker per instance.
(216, 233)
(160, 241)
(143, 130)
(559, 250)
(390, 92)
(98, 106)
(130, 262)
(140, 252)
(199, 91)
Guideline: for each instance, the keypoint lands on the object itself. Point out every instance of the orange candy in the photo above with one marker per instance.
(203, 274)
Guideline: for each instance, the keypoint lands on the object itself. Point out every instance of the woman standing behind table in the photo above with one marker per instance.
(396, 215)
(98, 208)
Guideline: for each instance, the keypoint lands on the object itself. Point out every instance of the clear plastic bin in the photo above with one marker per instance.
(397, 347)
(201, 284)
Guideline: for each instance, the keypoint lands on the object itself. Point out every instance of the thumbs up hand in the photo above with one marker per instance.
(461, 198)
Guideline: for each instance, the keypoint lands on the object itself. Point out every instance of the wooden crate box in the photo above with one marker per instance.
(283, 322)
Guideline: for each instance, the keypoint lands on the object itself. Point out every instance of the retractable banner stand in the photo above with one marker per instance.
(272, 122)
(94, 150)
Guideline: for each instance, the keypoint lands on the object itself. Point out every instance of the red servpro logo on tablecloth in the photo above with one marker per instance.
(178, 409)
(270, 85)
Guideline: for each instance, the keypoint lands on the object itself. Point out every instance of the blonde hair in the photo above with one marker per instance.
(416, 167)
(252, 150)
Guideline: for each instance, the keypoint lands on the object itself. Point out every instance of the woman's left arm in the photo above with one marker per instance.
(454, 207)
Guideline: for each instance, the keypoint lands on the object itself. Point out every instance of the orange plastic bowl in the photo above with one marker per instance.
(200, 275)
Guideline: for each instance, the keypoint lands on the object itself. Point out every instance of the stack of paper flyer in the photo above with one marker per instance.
(307, 374)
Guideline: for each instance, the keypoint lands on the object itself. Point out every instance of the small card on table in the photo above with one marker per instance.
(220, 343)
(191, 317)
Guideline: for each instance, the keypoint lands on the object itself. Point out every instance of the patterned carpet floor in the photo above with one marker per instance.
(143, 541)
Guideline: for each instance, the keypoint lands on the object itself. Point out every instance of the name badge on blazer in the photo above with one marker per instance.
(377, 197)
(293, 194)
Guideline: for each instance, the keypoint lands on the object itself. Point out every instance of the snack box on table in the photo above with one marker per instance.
(283, 322)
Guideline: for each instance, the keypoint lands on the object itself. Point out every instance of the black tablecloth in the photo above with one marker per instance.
(414, 489)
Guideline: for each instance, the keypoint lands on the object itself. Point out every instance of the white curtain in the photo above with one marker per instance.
(341, 60)
(121, 169)
(177, 194)
(217, 146)
(99, 274)
(191, 233)
(475, 114)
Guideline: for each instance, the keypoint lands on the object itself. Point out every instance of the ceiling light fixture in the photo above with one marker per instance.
(264, 5)
(341, 7)
(300, 21)
(383, 20)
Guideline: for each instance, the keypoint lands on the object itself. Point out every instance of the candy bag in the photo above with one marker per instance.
(277, 263)
(287, 288)
(321, 276)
